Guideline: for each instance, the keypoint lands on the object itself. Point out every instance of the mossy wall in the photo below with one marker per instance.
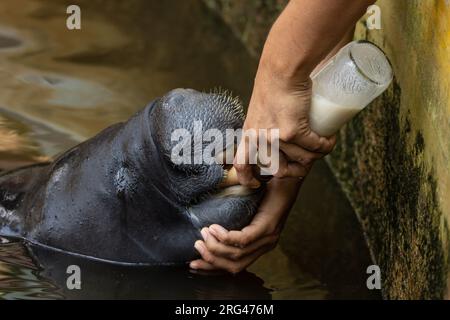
(393, 159)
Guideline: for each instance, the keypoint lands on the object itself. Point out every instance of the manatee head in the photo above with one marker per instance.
(193, 131)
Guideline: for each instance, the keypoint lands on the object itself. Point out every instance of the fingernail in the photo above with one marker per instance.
(193, 265)
(218, 230)
(204, 233)
(198, 245)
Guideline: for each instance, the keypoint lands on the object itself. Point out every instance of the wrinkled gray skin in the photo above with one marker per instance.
(118, 197)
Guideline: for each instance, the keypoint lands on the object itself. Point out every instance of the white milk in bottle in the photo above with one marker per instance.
(355, 76)
(327, 117)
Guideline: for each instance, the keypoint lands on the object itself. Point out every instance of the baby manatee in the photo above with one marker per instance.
(119, 196)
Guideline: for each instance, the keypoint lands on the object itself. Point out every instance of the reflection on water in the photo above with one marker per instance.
(21, 279)
(19, 276)
(44, 276)
(127, 53)
(16, 147)
(59, 87)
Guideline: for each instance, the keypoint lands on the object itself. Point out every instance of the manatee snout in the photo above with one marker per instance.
(207, 125)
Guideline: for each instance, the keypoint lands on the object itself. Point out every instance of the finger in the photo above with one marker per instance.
(242, 165)
(211, 260)
(290, 169)
(241, 238)
(313, 142)
(298, 154)
(294, 170)
(231, 252)
(226, 264)
(200, 264)
(283, 166)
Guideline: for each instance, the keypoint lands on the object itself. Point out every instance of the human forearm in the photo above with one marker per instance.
(306, 32)
(304, 35)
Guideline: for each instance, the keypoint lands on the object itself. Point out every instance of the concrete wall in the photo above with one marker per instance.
(393, 160)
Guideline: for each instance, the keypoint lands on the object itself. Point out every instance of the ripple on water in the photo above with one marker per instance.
(71, 92)
(21, 278)
(19, 275)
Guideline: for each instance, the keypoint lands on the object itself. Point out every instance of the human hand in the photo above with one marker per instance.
(304, 36)
(282, 104)
(234, 251)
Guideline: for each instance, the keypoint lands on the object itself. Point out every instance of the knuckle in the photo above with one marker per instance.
(282, 171)
(245, 240)
(288, 134)
(209, 258)
(225, 239)
(213, 248)
(304, 128)
(285, 171)
(245, 172)
(235, 256)
(316, 146)
(306, 161)
(234, 269)
(330, 147)
(239, 166)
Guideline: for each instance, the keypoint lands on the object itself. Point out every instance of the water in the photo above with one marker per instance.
(59, 87)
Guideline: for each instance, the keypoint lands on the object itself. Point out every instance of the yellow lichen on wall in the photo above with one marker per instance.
(438, 40)
(416, 37)
(415, 34)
